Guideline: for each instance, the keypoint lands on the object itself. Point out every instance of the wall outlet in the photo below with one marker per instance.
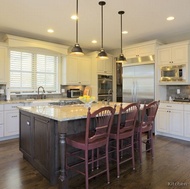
(63, 90)
(178, 91)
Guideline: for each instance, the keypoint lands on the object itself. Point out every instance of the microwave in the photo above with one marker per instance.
(172, 73)
(74, 93)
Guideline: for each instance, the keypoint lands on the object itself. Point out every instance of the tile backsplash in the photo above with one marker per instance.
(176, 91)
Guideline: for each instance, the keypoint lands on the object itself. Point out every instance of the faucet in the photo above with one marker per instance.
(42, 96)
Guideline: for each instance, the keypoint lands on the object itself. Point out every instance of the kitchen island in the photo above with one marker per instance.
(42, 135)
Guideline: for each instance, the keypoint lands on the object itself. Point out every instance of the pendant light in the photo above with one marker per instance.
(102, 54)
(121, 58)
(77, 50)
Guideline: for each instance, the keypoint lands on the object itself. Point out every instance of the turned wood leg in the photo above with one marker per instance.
(63, 184)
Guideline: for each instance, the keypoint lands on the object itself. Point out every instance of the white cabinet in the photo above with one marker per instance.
(11, 119)
(143, 50)
(170, 119)
(1, 121)
(187, 120)
(76, 71)
(3, 63)
(173, 54)
(105, 66)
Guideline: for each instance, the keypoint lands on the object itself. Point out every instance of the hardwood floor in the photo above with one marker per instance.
(170, 168)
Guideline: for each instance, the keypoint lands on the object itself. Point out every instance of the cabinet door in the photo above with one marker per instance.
(105, 66)
(164, 56)
(180, 54)
(72, 70)
(1, 124)
(3, 58)
(176, 122)
(146, 50)
(26, 134)
(162, 121)
(187, 123)
(131, 52)
(109, 65)
(11, 122)
(84, 71)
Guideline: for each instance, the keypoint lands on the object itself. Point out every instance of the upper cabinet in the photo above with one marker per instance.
(76, 71)
(3, 63)
(173, 54)
(105, 66)
(141, 49)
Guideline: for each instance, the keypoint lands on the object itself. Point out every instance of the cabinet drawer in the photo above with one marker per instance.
(12, 106)
(1, 107)
(171, 106)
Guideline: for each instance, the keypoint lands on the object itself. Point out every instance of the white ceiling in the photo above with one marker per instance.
(143, 19)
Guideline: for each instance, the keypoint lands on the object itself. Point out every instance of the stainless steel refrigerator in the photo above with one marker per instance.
(138, 83)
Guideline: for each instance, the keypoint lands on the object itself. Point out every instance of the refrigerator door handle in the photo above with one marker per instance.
(133, 92)
(136, 91)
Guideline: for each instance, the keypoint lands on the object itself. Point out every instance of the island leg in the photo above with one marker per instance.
(63, 181)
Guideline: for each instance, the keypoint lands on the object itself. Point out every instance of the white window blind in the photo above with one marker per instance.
(30, 70)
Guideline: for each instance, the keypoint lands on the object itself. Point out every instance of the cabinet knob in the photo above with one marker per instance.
(28, 123)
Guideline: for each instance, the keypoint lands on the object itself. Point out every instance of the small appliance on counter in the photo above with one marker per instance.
(74, 93)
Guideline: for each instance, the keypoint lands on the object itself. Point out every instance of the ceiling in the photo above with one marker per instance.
(143, 19)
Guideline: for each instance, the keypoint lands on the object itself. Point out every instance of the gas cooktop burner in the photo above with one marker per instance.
(181, 100)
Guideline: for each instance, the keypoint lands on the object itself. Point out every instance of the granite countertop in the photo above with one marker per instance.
(34, 100)
(68, 112)
(174, 102)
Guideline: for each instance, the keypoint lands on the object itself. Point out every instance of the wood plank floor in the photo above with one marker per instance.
(170, 168)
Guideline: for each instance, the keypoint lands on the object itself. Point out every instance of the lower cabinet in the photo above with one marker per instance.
(38, 143)
(187, 120)
(26, 134)
(170, 119)
(1, 121)
(11, 119)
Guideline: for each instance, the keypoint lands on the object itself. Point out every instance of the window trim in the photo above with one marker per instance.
(38, 51)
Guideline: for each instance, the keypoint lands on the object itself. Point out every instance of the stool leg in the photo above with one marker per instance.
(86, 168)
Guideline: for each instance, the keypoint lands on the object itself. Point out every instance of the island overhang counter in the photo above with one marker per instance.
(42, 136)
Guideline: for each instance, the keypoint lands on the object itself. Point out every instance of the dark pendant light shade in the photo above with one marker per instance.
(77, 50)
(121, 58)
(102, 54)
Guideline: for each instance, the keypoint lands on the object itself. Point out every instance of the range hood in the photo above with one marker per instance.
(139, 60)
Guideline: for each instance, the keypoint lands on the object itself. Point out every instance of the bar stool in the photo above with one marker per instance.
(96, 136)
(145, 127)
(122, 136)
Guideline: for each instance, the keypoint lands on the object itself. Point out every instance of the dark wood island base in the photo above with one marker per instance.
(42, 142)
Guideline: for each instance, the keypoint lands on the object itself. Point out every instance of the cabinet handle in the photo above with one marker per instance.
(169, 106)
(14, 116)
(13, 106)
(28, 123)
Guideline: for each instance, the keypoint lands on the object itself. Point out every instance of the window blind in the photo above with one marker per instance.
(30, 70)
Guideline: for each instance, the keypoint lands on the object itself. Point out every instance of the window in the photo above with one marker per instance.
(29, 70)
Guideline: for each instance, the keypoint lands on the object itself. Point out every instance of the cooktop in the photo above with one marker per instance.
(181, 100)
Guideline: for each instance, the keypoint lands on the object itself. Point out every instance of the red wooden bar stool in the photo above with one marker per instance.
(144, 128)
(88, 143)
(122, 136)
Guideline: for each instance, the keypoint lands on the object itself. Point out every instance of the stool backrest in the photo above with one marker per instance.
(149, 113)
(127, 118)
(99, 123)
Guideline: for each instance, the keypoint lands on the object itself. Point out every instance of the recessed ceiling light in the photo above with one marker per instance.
(94, 41)
(74, 17)
(50, 30)
(170, 18)
(124, 32)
